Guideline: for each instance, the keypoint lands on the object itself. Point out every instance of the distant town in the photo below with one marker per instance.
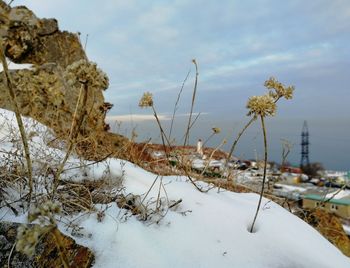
(306, 187)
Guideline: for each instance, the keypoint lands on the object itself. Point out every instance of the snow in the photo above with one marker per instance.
(339, 194)
(198, 163)
(290, 188)
(204, 230)
(346, 229)
(213, 234)
(16, 66)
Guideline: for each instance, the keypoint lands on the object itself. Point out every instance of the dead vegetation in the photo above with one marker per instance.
(76, 116)
(330, 226)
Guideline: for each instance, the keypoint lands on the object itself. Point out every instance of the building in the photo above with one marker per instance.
(338, 206)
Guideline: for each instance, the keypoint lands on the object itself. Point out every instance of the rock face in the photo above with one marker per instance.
(37, 41)
(50, 91)
(46, 253)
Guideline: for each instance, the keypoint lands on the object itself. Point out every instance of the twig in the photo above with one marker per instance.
(164, 138)
(239, 136)
(286, 148)
(192, 124)
(61, 249)
(144, 148)
(175, 204)
(264, 176)
(177, 102)
(10, 87)
(158, 197)
(192, 104)
(74, 131)
(86, 40)
(210, 136)
(330, 198)
(147, 101)
(211, 156)
(90, 164)
(10, 255)
(150, 188)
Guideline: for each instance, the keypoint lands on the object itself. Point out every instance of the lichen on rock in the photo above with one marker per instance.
(50, 91)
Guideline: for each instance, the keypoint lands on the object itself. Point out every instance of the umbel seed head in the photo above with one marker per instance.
(146, 100)
(278, 90)
(261, 106)
(216, 130)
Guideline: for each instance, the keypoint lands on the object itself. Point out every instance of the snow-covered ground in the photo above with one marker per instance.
(204, 230)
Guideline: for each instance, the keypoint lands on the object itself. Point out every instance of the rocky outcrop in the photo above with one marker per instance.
(61, 76)
(28, 39)
(46, 253)
(49, 94)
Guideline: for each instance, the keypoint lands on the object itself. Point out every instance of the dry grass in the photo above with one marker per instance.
(329, 226)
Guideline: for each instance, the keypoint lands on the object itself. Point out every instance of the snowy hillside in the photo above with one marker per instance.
(202, 230)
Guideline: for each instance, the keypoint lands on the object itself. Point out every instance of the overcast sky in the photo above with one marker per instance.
(149, 45)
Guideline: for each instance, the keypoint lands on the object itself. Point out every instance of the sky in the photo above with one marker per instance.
(149, 46)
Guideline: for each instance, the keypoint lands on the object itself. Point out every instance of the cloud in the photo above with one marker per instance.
(148, 46)
(148, 117)
(135, 117)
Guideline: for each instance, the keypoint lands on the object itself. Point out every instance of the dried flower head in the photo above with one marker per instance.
(261, 106)
(28, 238)
(278, 90)
(146, 100)
(46, 211)
(84, 71)
(216, 130)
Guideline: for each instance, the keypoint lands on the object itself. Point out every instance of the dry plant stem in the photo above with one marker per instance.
(176, 103)
(286, 147)
(162, 133)
(192, 124)
(8, 83)
(90, 164)
(62, 252)
(239, 136)
(144, 148)
(150, 189)
(205, 142)
(86, 41)
(192, 104)
(10, 255)
(211, 156)
(330, 198)
(264, 175)
(164, 138)
(158, 204)
(72, 136)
